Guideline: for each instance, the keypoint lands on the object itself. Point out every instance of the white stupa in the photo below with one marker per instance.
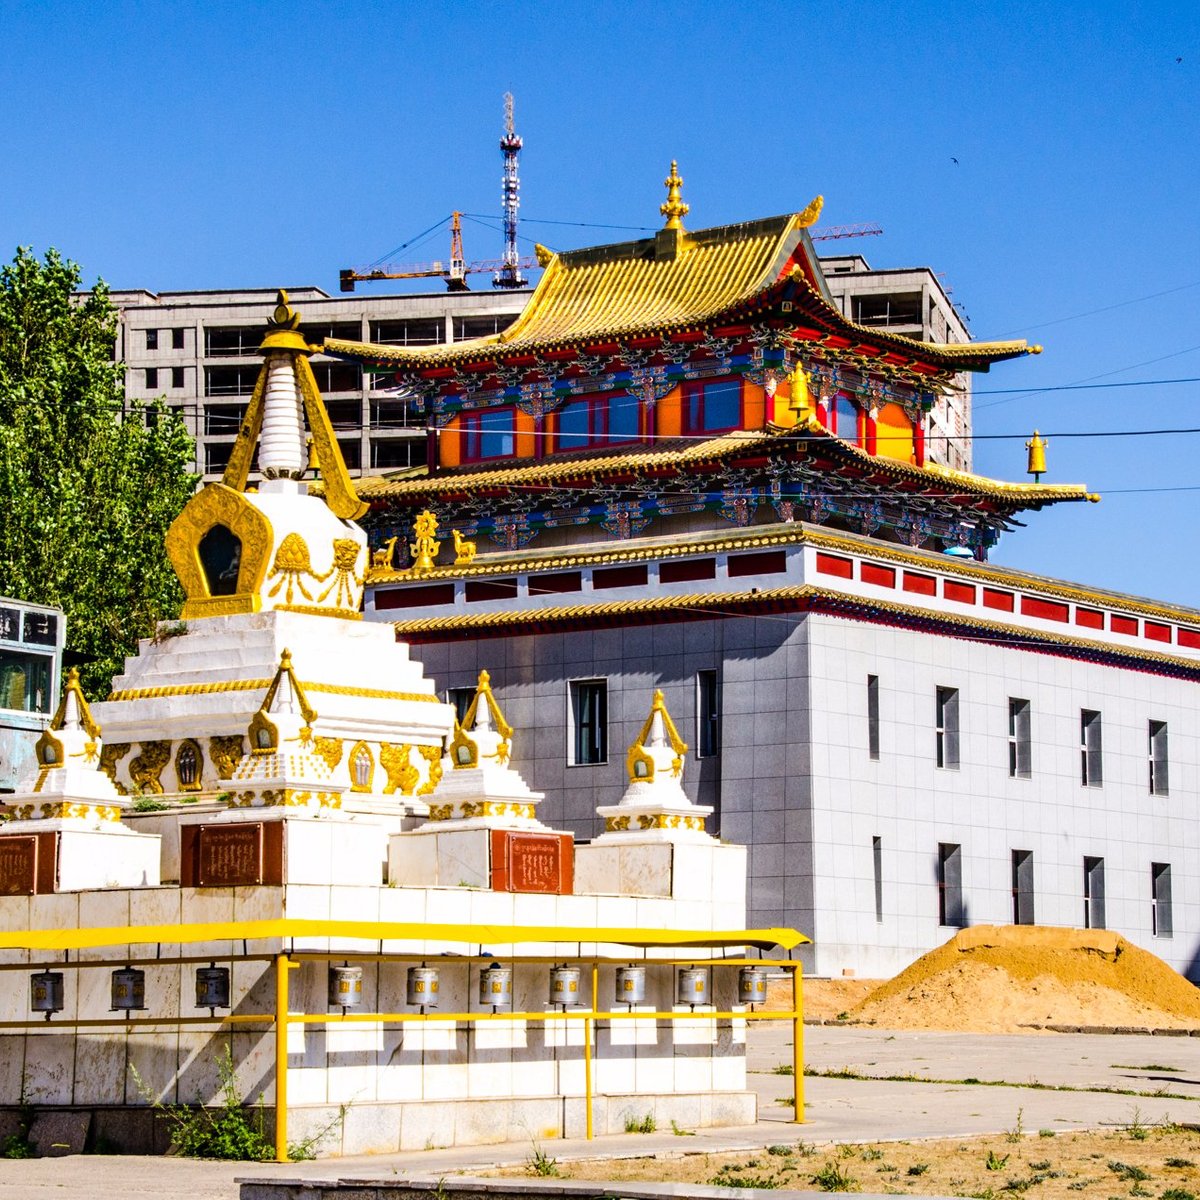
(265, 570)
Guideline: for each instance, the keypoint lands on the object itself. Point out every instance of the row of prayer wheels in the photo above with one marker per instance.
(47, 989)
(496, 983)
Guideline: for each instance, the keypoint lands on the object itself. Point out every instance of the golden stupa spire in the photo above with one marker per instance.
(674, 209)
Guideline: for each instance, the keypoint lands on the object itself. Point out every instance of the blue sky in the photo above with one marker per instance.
(175, 146)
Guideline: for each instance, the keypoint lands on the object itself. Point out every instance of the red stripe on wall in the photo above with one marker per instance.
(880, 576)
(995, 599)
(923, 585)
(833, 564)
(1156, 632)
(963, 593)
(1089, 618)
(1127, 625)
(1046, 610)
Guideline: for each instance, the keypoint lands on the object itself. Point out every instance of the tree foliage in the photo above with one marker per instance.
(89, 482)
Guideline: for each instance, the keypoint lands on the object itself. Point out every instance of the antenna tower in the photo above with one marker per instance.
(509, 275)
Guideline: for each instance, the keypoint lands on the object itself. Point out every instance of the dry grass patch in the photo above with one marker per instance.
(1138, 1161)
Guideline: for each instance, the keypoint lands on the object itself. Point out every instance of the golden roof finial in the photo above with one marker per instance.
(674, 209)
(1037, 457)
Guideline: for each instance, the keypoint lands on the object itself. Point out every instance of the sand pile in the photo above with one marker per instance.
(996, 979)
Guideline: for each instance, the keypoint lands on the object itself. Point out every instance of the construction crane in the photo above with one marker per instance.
(454, 271)
(831, 233)
(505, 272)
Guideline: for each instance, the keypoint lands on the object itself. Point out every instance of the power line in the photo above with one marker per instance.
(1183, 287)
(1081, 387)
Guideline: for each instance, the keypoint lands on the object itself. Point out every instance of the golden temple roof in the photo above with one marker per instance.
(680, 453)
(626, 289)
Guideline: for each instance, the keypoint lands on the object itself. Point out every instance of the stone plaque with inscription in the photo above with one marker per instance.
(18, 865)
(532, 862)
(230, 855)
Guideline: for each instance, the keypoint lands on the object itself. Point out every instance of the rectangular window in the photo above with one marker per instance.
(232, 341)
(177, 378)
(712, 406)
(708, 714)
(950, 898)
(877, 870)
(1020, 751)
(605, 420)
(151, 377)
(947, 728)
(1159, 784)
(1091, 764)
(490, 434)
(176, 339)
(1160, 906)
(873, 716)
(845, 418)
(461, 698)
(1093, 893)
(24, 681)
(589, 722)
(1022, 887)
(151, 339)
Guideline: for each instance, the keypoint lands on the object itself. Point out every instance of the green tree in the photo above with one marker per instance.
(89, 482)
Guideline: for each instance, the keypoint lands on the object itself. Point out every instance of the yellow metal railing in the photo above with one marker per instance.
(286, 961)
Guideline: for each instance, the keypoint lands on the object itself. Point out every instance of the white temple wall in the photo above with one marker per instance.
(912, 805)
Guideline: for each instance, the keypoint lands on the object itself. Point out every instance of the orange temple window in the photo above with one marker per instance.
(488, 434)
(712, 406)
(604, 420)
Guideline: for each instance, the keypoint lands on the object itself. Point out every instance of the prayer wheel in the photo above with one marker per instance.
(46, 992)
(564, 985)
(631, 985)
(691, 986)
(752, 985)
(422, 987)
(495, 986)
(345, 986)
(128, 990)
(212, 987)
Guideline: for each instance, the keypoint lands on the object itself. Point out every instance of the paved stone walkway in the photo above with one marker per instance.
(847, 1109)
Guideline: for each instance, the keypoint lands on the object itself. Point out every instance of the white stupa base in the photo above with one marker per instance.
(91, 854)
(640, 865)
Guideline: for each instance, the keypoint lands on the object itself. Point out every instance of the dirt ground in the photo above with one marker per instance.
(1159, 1162)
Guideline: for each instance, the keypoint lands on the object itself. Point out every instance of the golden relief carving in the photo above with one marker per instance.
(347, 583)
(440, 812)
(362, 767)
(225, 753)
(66, 810)
(292, 563)
(330, 749)
(401, 774)
(145, 769)
(433, 756)
(615, 824)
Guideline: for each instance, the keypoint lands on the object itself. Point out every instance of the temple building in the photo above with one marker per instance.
(390, 947)
(683, 468)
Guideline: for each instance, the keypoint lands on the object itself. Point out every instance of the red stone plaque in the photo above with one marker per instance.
(533, 862)
(230, 855)
(18, 865)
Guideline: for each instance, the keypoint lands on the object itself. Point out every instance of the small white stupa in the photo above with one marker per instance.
(654, 841)
(655, 807)
(482, 829)
(65, 833)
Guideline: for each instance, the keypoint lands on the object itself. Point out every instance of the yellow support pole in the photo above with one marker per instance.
(797, 1044)
(282, 966)
(588, 1026)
